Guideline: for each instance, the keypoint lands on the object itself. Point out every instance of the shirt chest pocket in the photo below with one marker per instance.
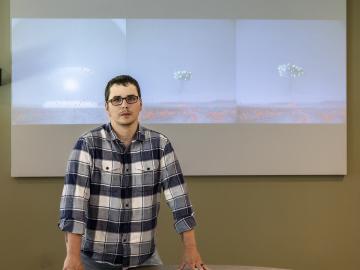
(146, 166)
(106, 171)
(108, 166)
(146, 173)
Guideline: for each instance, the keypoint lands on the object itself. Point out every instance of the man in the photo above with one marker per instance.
(110, 200)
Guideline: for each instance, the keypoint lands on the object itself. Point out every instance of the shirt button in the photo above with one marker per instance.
(127, 205)
(124, 240)
(107, 168)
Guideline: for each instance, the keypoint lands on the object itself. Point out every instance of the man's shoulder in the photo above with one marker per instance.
(153, 135)
(101, 132)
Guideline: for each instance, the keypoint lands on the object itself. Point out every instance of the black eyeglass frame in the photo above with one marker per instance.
(127, 98)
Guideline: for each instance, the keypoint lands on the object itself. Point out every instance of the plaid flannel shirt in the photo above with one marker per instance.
(111, 194)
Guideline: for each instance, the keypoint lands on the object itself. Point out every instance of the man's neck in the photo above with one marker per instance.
(125, 132)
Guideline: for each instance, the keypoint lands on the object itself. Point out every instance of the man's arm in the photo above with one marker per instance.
(74, 203)
(73, 259)
(192, 258)
(177, 198)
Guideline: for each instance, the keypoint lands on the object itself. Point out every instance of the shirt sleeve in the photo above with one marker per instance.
(76, 191)
(175, 190)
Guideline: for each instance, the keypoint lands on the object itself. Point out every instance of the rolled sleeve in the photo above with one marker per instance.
(185, 224)
(76, 191)
(72, 226)
(175, 191)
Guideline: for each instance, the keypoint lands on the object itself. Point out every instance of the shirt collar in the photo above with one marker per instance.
(139, 134)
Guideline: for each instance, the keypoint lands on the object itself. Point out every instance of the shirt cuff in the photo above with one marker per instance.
(72, 226)
(185, 224)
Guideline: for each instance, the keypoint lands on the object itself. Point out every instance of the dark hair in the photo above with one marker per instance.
(122, 80)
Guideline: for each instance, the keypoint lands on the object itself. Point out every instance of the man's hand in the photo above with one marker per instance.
(192, 259)
(73, 263)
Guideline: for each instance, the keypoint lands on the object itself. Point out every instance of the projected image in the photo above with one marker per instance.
(291, 71)
(190, 71)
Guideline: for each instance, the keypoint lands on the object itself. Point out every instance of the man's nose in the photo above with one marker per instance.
(124, 104)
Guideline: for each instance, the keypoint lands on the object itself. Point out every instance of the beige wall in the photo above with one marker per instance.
(300, 222)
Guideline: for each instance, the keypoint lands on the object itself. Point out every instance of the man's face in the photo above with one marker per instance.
(124, 114)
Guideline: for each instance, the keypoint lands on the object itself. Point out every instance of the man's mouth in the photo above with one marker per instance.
(125, 114)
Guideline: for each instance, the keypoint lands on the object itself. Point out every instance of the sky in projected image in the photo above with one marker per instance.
(190, 71)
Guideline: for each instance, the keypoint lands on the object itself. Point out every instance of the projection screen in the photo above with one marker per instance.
(241, 87)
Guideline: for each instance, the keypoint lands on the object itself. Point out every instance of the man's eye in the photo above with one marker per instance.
(117, 98)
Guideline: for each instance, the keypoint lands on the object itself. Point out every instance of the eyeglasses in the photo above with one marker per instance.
(118, 100)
